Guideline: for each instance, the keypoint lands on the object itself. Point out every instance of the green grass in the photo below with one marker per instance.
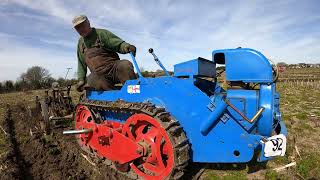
(302, 116)
(309, 166)
(211, 176)
(271, 175)
(234, 175)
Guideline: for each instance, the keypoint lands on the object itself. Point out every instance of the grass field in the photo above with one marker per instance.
(300, 106)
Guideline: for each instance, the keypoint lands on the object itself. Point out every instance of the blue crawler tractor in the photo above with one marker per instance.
(151, 128)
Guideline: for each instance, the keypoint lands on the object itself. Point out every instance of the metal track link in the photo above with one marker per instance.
(176, 134)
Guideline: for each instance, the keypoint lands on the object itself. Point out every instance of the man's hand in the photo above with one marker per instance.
(131, 48)
(80, 86)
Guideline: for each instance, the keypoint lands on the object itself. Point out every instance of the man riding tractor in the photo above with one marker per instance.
(97, 50)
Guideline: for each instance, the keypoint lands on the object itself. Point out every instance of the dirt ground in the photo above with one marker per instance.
(33, 155)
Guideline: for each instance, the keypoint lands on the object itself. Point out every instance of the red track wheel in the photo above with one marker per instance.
(158, 153)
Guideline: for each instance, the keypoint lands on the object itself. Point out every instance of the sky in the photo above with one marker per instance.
(37, 32)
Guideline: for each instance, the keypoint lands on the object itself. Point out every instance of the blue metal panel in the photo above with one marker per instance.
(214, 118)
(277, 106)
(195, 67)
(244, 64)
(267, 101)
(247, 102)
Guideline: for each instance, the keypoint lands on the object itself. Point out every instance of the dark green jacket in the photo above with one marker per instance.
(110, 41)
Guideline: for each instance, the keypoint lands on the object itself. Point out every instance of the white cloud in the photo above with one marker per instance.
(177, 30)
(50, 7)
(16, 58)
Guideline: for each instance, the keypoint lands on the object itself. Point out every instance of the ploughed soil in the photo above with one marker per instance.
(33, 155)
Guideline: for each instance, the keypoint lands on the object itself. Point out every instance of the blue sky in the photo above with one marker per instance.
(37, 32)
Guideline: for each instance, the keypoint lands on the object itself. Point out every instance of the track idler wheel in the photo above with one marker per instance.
(159, 156)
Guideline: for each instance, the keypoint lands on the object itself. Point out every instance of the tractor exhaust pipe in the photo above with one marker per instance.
(80, 131)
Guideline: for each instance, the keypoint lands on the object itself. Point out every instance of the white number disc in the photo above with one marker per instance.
(275, 146)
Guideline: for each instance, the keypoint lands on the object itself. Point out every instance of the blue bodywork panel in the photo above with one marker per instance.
(216, 132)
(244, 64)
(247, 102)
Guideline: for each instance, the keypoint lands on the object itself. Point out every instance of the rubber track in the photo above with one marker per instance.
(172, 126)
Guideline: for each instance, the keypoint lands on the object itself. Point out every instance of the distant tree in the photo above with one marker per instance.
(18, 85)
(282, 64)
(8, 86)
(1, 88)
(71, 81)
(145, 73)
(61, 81)
(159, 72)
(48, 82)
(36, 77)
(23, 85)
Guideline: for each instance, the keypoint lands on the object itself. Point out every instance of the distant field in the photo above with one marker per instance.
(305, 74)
(300, 106)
